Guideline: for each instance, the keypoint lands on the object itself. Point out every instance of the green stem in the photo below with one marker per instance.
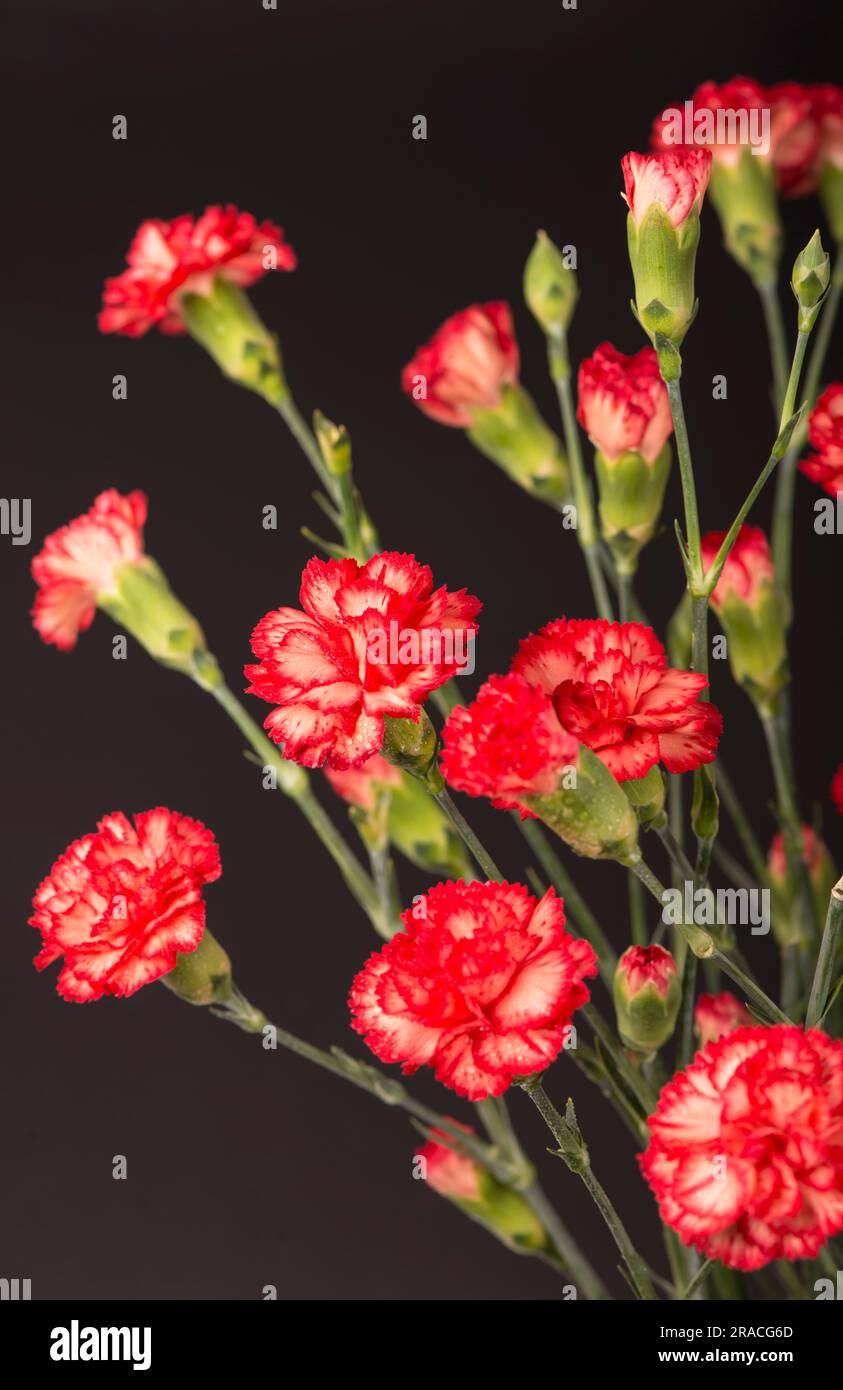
(686, 474)
(826, 957)
(701, 1274)
(472, 844)
(296, 424)
(560, 371)
(740, 820)
(637, 917)
(632, 1078)
(685, 1041)
(575, 905)
(782, 529)
(776, 337)
(777, 744)
(574, 1153)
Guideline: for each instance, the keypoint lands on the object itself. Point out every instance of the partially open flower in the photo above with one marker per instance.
(745, 1157)
(470, 1186)
(480, 986)
(647, 994)
(825, 431)
(122, 904)
(372, 642)
(718, 1014)
(752, 613)
(665, 193)
(168, 260)
(467, 376)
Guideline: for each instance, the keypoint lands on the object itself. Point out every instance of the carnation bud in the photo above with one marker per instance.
(718, 1014)
(810, 280)
(647, 993)
(464, 1181)
(788, 926)
(744, 194)
(226, 325)
(752, 614)
(412, 745)
(631, 494)
(550, 286)
(515, 437)
(647, 795)
(589, 811)
(145, 605)
(423, 833)
(202, 976)
(665, 193)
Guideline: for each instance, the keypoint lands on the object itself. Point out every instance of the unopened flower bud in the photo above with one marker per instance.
(464, 1181)
(810, 280)
(664, 193)
(752, 613)
(412, 745)
(647, 795)
(550, 286)
(202, 976)
(647, 994)
(718, 1014)
(224, 322)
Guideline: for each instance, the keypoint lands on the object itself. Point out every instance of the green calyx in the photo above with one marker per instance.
(631, 493)
(744, 195)
(550, 286)
(422, 832)
(144, 604)
(202, 976)
(810, 281)
(662, 258)
(516, 438)
(413, 745)
(647, 796)
(646, 1019)
(226, 325)
(589, 811)
(757, 647)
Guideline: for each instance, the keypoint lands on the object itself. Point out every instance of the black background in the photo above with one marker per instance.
(247, 1168)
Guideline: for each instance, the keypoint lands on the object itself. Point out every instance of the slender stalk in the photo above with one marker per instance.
(686, 474)
(700, 1276)
(777, 744)
(293, 782)
(740, 820)
(637, 916)
(626, 595)
(633, 1079)
(296, 424)
(472, 844)
(782, 529)
(575, 905)
(573, 1152)
(560, 371)
(678, 857)
(685, 1040)
(776, 336)
(825, 959)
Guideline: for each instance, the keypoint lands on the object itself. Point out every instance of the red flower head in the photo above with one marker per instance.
(825, 431)
(640, 966)
(465, 366)
(748, 569)
(814, 852)
(836, 789)
(623, 403)
(452, 1174)
(611, 688)
(507, 744)
(169, 259)
(828, 105)
(718, 1014)
(359, 786)
(795, 138)
(675, 182)
(740, 95)
(480, 986)
(79, 562)
(373, 640)
(745, 1157)
(122, 903)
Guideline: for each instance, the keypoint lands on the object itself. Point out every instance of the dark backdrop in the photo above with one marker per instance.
(247, 1168)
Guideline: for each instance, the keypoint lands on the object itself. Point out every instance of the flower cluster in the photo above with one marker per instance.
(480, 985)
(167, 260)
(334, 671)
(121, 904)
(825, 431)
(745, 1157)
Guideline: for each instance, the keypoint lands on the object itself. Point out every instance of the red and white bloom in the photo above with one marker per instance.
(748, 569)
(674, 182)
(741, 95)
(121, 904)
(448, 1172)
(373, 640)
(623, 403)
(480, 985)
(465, 366)
(507, 744)
(79, 562)
(611, 688)
(746, 1153)
(718, 1014)
(360, 785)
(796, 138)
(825, 431)
(642, 966)
(169, 259)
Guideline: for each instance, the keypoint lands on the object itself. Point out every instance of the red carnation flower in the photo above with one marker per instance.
(825, 431)
(675, 182)
(740, 94)
(640, 966)
(623, 403)
(718, 1014)
(465, 365)
(828, 106)
(373, 640)
(795, 138)
(747, 570)
(480, 986)
(359, 785)
(611, 688)
(836, 789)
(448, 1171)
(79, 561)
(169, 259)
(507, 744)
(745, 1158)
(122, 903)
